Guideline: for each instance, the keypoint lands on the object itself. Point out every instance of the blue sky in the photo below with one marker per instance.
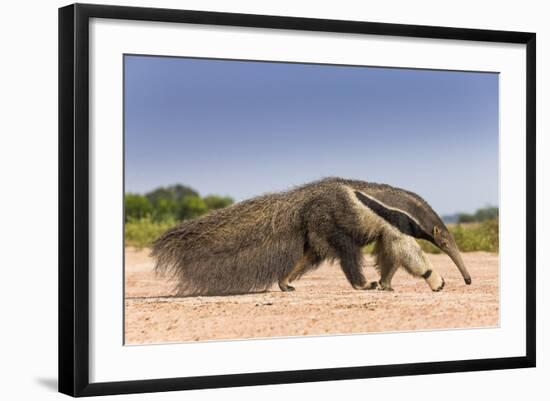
(243, 128)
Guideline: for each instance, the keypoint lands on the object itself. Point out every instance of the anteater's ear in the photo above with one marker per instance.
(436, 232)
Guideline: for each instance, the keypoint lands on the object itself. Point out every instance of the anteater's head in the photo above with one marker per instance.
(445, 241)
(411, 215)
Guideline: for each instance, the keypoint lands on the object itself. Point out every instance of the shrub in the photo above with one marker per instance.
(148, 216)
(190, 207)
(173, 192)
(141, 233)
(217, 202)
(471, 237)
(136, 207)
(165, 209)
(487, 213)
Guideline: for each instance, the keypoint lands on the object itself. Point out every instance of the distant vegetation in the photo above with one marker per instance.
(486, 213)
(141, 233)
(472, 232)
(147, 216)
(174, 203)
(471, 237)
(481, 215)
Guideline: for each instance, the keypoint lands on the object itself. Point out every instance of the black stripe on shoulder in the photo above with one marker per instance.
(396, 218)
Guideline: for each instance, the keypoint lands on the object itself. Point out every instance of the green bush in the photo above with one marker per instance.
(217, 202)
(173, 203)
(137, 207)
(471, 237)
(141, 233)
(164, 209)
(191, 207)
(173, 192)
(148, 216)
(487, 213)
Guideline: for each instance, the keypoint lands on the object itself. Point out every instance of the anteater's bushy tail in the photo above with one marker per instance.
(239, 249)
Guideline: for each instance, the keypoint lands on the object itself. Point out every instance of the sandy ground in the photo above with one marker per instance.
(323, 303)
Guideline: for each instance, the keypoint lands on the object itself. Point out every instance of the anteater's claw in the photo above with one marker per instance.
(286, 288)
(367, 286)
(441, 286)
(382, 287)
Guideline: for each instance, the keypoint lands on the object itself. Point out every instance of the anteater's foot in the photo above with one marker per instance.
(440, 286)
(372, 285)
(384, 287)
(434, 280)
(285, 287)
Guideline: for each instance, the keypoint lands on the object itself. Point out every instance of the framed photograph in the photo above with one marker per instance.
(252, 199)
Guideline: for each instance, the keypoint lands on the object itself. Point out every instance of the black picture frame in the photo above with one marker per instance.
(74, 198)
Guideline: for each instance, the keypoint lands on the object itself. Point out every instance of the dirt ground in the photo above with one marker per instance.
(323, 303)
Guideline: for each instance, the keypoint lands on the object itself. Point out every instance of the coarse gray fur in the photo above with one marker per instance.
(249, 246)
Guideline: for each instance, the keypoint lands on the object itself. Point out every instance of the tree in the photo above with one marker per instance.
(190, 207)
(466, 218)
(214, 202)
(484, 214)
(174, 192)
(136, 207)
(165, 209)
(166, 201)
(487, 213)
(175, 202)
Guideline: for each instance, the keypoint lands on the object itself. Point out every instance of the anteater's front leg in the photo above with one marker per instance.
(416, 263)
(350, 256)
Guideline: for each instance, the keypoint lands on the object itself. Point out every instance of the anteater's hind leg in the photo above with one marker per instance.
(351, 256)
(298, 268)
(307, 261)
(386, 264)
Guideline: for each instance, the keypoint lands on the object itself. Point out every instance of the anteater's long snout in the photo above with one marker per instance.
(454, 254)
